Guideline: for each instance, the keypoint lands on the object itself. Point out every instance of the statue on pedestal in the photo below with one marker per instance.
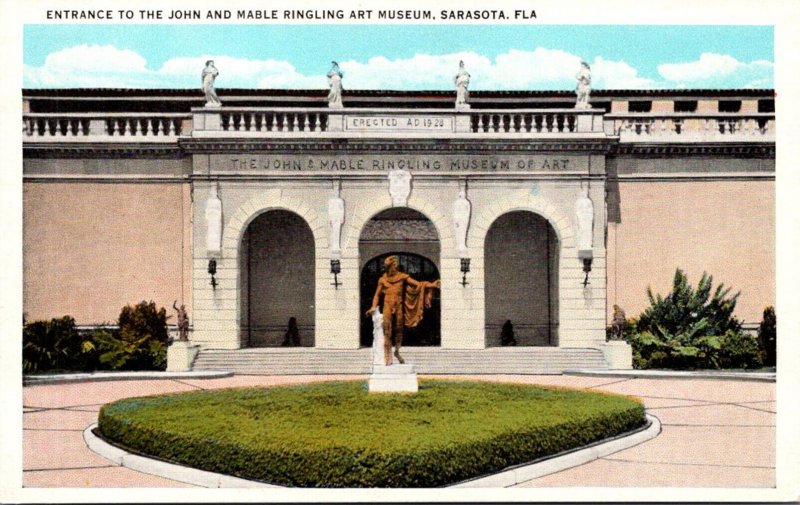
(183, 321)
(399, 187)
(619, 323)
(209, 75)
(335, 220)
(462, 82)
(404, 300)
(335, 82)
(584, 86)
(461, 213)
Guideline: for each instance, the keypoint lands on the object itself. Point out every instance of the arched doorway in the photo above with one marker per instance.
(413, 238)
(277, 280)
(521, 279)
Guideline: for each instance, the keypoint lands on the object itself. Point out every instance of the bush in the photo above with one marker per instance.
(338, 435)
(768, 336)
(692, 329)
(141, 341)
(55, 345)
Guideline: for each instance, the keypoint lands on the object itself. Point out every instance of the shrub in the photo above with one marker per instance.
(768, 336)
(141, 341)
(338, 435)
(691, 328)
(55, 345)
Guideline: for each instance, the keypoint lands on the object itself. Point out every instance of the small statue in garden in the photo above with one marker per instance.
(507, 334)
(292, 335)
(619, 323)
(183, 321)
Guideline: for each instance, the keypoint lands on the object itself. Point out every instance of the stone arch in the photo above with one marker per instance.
(561, 223)
(264, 202)
(364, 213)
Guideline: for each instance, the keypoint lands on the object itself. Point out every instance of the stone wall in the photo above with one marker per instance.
(723, 227)
(89, 248)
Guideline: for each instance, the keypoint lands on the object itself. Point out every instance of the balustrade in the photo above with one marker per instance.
(275, 121)
(650, 127)
(77, 126)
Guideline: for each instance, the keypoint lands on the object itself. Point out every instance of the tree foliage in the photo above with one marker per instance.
(768, 336)
(693, 328)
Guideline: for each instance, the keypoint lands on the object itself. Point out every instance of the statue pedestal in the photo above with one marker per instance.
(394, 378)
(618, 354)
(180, 356)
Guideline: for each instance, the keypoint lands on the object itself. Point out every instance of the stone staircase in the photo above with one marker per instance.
(428, 360)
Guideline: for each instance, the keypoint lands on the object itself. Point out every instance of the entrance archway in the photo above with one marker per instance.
(277, 282)
(413, 238)
(521, 279)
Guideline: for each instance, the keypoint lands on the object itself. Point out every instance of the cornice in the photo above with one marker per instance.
(738, 149)
(376, 146)
(102, 150)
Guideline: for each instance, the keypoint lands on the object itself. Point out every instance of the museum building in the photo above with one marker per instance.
(275, 205)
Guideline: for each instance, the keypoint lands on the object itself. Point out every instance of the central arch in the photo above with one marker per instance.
(412, 237)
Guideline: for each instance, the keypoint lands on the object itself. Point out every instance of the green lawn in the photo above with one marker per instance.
(337, 435)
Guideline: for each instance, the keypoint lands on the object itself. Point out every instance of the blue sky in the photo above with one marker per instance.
(399, 56)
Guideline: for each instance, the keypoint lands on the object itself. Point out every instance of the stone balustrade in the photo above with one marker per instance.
(415, 123)
(114, 127)
(359, 122)
(691, 127)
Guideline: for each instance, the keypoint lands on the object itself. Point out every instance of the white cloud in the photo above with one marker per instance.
(608, 74)
(718, 70)
(515, 69)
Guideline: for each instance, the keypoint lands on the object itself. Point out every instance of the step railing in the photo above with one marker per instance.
(146, 127)
(691, 127)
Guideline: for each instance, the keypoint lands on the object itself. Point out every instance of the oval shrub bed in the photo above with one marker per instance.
(335, 434)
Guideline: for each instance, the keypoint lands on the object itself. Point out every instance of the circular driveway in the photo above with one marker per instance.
(715, 433)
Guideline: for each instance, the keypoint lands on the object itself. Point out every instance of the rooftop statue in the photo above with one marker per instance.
(209, 75)
(404, 300)
(584, 87)
(462, 82)
(335, 82)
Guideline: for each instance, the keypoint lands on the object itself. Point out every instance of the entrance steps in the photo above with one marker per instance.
(427, 360)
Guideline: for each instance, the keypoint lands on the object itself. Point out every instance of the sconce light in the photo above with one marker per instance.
(587, 267)
(464, 270)
(212, 269)
(336, 268)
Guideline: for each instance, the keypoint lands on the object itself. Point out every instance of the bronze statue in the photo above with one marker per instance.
(404, 300)
(183, 321)
(619, 323)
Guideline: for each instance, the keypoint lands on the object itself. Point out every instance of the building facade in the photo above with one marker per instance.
(276, 206)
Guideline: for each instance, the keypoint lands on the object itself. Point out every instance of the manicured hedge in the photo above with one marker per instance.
(338, 435)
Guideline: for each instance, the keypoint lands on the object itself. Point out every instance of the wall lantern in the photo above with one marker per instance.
(464, 270)
(586, 256)
(212, 269)
(336, 268)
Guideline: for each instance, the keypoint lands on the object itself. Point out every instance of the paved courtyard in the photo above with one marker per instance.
(715, 433)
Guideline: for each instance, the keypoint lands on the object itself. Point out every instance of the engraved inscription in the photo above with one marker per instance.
(398, 123)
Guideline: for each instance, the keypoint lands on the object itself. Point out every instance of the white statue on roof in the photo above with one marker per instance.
(462, 83)
(209, 75)
(335, 82)
(584, 86)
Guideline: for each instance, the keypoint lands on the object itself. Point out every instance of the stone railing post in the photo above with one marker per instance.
(335, 122)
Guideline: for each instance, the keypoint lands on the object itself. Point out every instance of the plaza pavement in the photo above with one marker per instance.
(715, 433)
